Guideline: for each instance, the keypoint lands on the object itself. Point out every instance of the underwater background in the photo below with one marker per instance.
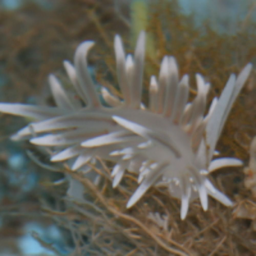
(214, 38)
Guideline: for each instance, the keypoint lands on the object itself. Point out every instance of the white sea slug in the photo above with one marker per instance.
(169, 142)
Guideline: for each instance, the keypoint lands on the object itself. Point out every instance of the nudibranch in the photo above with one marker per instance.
(169, 142)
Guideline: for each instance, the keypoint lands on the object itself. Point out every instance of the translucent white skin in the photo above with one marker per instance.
(163, 143)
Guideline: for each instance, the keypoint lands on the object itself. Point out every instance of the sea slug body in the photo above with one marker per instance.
(168, 143)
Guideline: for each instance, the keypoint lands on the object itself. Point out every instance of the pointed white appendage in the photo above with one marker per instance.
(80, 161)
(83, 75)
(30, 111)
(185, 196)
(184, 206)
(121, 70)
(180, 100)
(108, 139)
(118, 172)
(66, 154)
(143, 174)
(199, 104)
(202, 87)
(118, 167)
(153, 96)
(48, 140)
(163, 84)
(136, 128)
(203, 196)
(171, 89)
(60, 97)
(71, 71)
(148, 181)
(118, 177)
(215, 193)
(109, 98)
(224, 162)
(220, 113)
(145, 144)
(137, 76)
